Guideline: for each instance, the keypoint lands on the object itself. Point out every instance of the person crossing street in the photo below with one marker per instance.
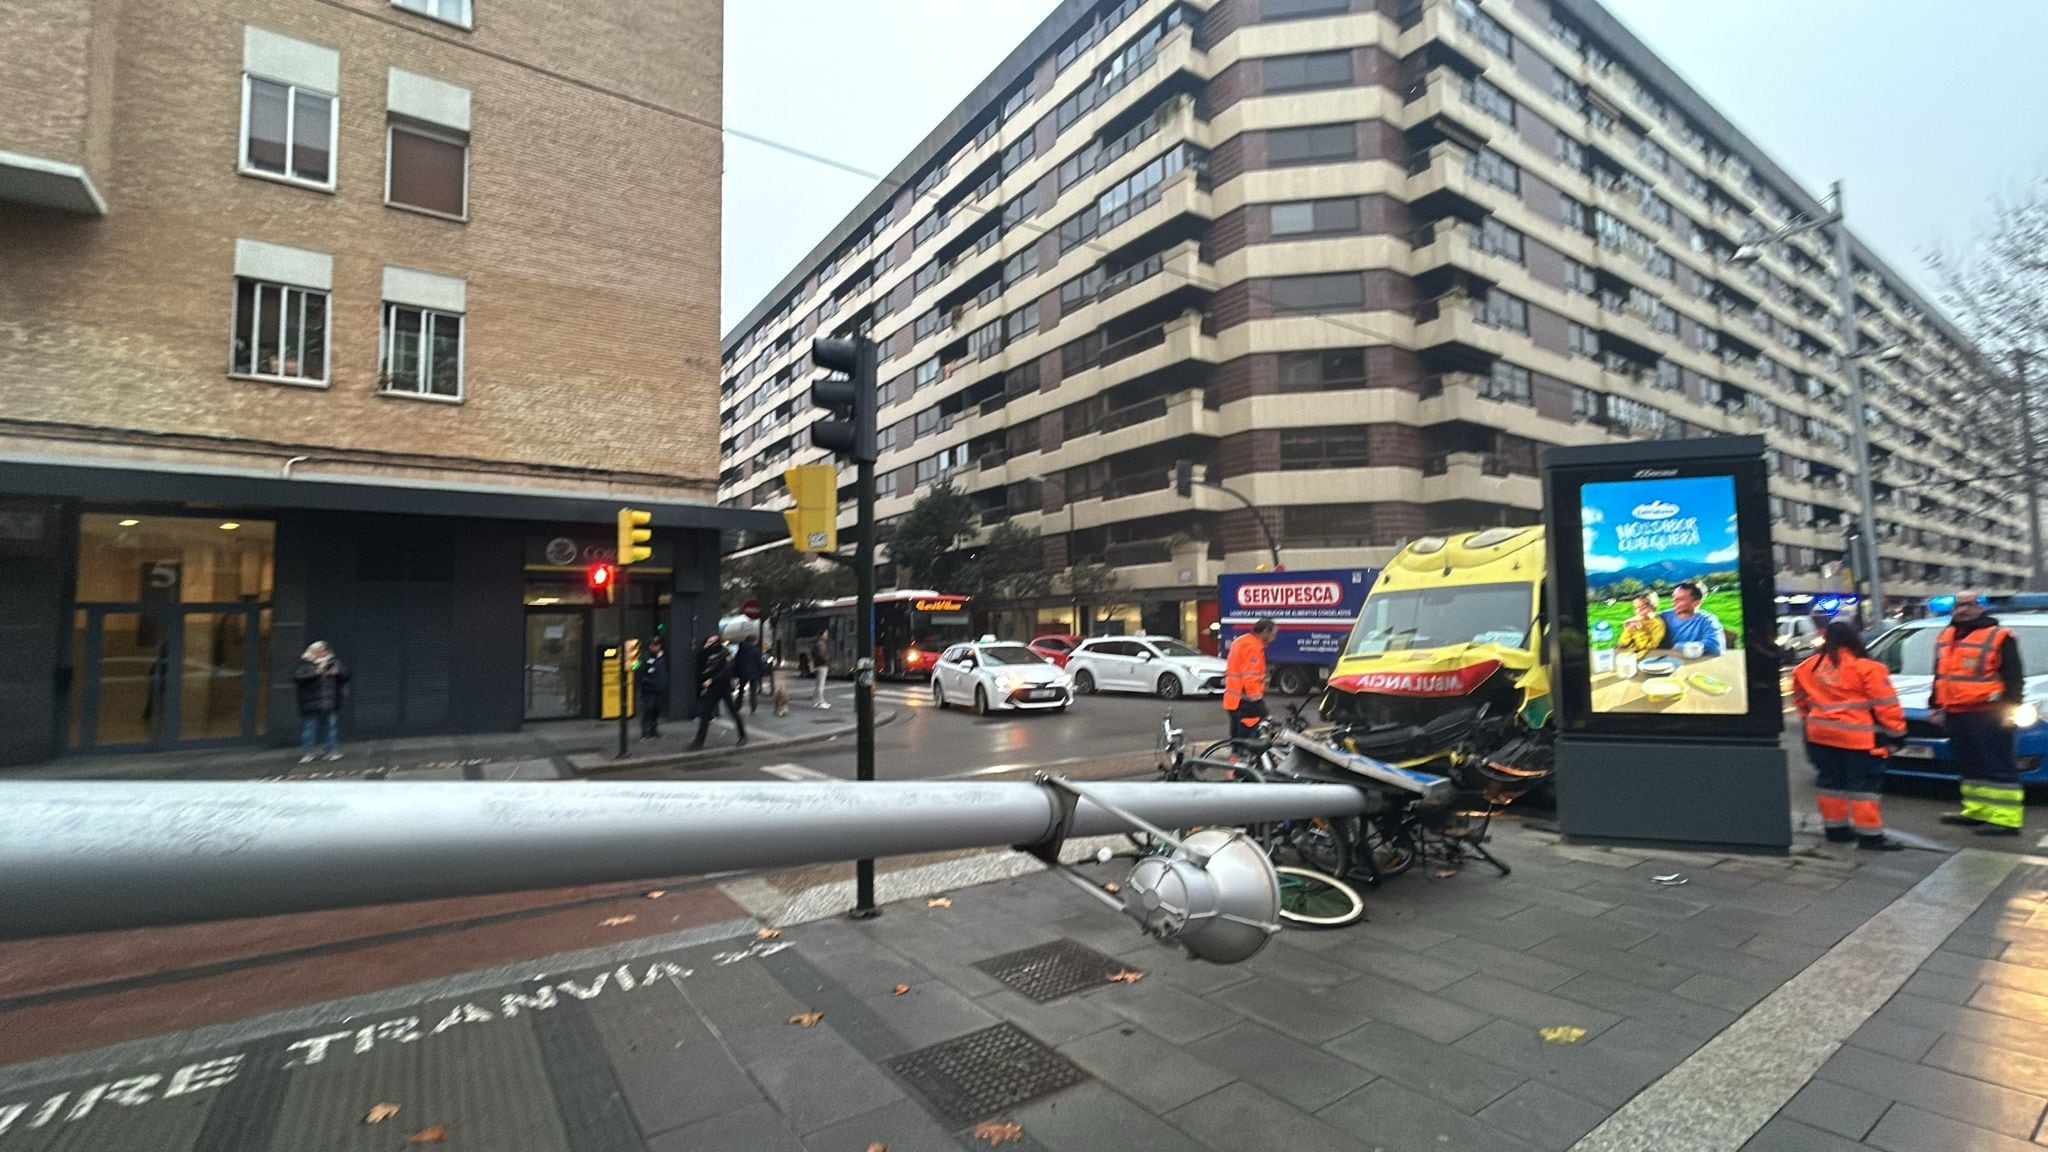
(1978, 682)
(1852, 716)
(1244, 679)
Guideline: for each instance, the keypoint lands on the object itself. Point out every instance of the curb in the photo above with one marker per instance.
(680, 759)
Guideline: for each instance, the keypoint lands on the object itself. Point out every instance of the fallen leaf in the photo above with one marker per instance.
(807, 1019)
(767, 933)
(1445, 873)
(939, 902)
(999, 1132)
(1562, 1035)
(615, 921)
(1112, 887)
(878, 1146)
(899, 990)
(657, 894)
(436, 1134)
(1125, 976)
(381, 1113)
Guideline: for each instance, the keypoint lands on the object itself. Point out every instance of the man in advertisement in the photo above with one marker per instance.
(1977, 684)
(1685, 622)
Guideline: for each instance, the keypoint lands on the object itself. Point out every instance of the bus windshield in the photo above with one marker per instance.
(1435, 617)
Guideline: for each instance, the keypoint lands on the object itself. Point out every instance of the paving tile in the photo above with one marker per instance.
(1296, 967)
(1587, 927)
(1282, 1065)
(1559, 900)
(1937, 986)
(1675, 1013)
(1428, 971)
(1933, 1090)
(1733, 993)
(1389, 1117)
(1974, 944)
(928, 1013)
(1990, 1063)
(1581, 1070)
(1464, 1081)
(1647, 971)
(1831, 1107)
(2025, 979)
(1769, 947)
(1086, 1117)
(1692, 931)
(1379, 930)
(1310, 1017)
(1144, 1067)
(1543, 1116)
(1068, 1018)
(1503, 935)
(1514, 967)
(903, 1126)
(754, 1128)
(1177, 1016)
(1534, 1009)
(1892, 1038)
(1176, 967)
(1649, 899)
(1786, 1135)
(2027, 1006)
(1650, 1043)
(1988, 1027)
(1909, 1129)
(672, 1070)
(1726, 962)
(1239, 1116)
(821, 1081)
(1419, 1012)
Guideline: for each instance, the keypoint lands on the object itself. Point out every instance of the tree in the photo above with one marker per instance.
(1091, 580)
(782, 580)
(926, 541)
(1008, 566)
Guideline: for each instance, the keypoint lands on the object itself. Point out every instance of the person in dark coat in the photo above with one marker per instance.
(650, 688)
(748, 669)
(714, 685)
(322, 681)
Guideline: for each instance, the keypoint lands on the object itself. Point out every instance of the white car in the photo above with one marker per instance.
(995, 676)
(1157, 664)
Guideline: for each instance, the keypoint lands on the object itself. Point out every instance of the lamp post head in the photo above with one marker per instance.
(1746, 254)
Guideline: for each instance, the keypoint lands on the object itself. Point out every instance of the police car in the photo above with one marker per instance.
(1907, 649)
(997, 675)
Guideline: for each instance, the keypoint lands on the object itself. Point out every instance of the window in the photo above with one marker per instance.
(280, 332)
(1019, 152)
(1292, 9)
(1507, 382)
(428, 171)
(1489, 99)
(1653, 154)
(1493, 237)
(926, 276)
(1497, 170)
(927, 228)
(421, 352)
(1322, 371)
(1020, 323)
(1484, 28)
(1297, 295)
(927, 324)
(1582, 341)
(1320, 144)
(288, 131)
(1303, 449)
(926, 375)
(1309, 217)
(1571, 153)
(1503, 311)
(1311, 70)
(1578, 277)
(1080, 355)
(1659, 263)
(452, 11)
(1571, 213)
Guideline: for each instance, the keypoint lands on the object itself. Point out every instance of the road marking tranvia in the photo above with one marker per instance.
(154, 1087)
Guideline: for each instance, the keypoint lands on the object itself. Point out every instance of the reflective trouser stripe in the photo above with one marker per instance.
(2000, 804)
(1834, 808)
(1866, 814)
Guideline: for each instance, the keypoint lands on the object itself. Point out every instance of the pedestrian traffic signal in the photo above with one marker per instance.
(814, 522)
(852, 401)
(634, 538)
(602, 578)
(1184, 477)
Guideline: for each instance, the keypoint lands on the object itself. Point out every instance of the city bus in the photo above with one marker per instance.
(911, 629)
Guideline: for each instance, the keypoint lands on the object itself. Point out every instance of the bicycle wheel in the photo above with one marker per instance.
(1310, 899)
(1322, 843)
(1391, 846)
(1263, 761)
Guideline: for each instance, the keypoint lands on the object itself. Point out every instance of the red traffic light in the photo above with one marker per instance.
(600, 577)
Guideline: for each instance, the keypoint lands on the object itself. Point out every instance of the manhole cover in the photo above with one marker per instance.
(985, 1073)
(1050, 971)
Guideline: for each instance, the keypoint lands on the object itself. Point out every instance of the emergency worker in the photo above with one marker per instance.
(1852, 717)
(1244, 679)
(1978, 683)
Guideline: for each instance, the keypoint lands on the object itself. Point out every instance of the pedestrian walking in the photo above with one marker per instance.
(1244, 680)
(821, 666)
(1978, 682)
(1852, 718)
(650, 687)
(714, 687)
(322, 681)
(748, 668)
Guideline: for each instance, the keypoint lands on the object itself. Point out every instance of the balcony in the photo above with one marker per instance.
(1437, 261)
(1442, 184)
(1454, 334)
(1436, 111)
(1477, 476)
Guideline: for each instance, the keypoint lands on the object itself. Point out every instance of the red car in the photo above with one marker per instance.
(1056, 647)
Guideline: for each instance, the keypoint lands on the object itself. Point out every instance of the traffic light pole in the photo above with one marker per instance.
(625, 685)
(864, 670)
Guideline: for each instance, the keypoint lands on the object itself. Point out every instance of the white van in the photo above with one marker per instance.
(1798, 636)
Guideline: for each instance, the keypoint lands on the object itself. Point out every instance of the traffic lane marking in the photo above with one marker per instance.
(795, 772)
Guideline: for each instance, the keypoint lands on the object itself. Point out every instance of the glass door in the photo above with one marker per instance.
(554, 665)
(154, 675)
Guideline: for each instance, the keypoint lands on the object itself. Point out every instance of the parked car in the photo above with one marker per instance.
(1055, 647)
(1156, 664)
(1908, 650)
(1797, 638)
(998, 675)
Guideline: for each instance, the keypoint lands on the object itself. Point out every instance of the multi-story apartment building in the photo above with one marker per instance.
(1364, 258)
(351, 320)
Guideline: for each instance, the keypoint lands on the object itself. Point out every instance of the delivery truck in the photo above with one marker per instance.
(1314, 609)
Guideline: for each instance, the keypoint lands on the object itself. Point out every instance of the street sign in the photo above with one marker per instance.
(751, 609)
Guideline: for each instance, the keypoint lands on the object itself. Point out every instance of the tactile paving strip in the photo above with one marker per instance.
(1047, 972)
(983, 1074)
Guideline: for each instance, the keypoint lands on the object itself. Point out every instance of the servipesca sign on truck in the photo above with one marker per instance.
(1315, 610)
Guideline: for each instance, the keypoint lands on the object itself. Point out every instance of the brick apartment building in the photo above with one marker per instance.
(353, 320)
(1365, 258)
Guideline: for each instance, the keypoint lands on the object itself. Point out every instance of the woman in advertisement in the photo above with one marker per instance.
(1852, 717)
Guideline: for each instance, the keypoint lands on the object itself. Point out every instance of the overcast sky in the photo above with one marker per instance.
(1926, 110)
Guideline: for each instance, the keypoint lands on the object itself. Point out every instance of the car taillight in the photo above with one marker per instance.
(913, 657)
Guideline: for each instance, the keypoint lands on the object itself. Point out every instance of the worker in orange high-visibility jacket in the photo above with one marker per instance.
(1244, 679)
(1978, 684)
(1852, 717)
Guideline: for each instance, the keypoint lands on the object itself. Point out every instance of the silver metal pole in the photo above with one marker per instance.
(2038, 576)
(1845, 291)
(79, 856)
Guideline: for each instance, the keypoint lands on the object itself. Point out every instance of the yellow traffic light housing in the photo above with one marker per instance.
(634, 537)
(814, 522)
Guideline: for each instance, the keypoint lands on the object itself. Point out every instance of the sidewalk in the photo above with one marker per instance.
(555, 749)
(1817, 1002)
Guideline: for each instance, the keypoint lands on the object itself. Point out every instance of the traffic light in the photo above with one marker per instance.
(602, 578)
(634, 537)
(1184, 477)
(852, 401)
(814, 522)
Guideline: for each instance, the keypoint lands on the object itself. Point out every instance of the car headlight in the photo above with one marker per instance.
(2026, 715)
(1060, 682)
(1011, 683)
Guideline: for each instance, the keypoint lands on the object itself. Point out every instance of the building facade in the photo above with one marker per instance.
(350, 320)
(1363, 259)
